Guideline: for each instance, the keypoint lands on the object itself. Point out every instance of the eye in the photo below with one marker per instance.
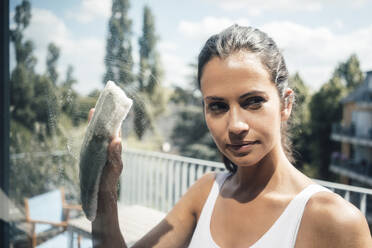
(253, 102)
(218, 107)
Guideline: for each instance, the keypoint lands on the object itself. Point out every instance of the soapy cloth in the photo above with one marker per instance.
(111, 109)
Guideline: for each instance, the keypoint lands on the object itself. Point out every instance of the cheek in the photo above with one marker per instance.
(269, 125)
(211, 125)
(216, 128)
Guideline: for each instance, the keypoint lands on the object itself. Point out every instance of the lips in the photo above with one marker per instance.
(241, 147)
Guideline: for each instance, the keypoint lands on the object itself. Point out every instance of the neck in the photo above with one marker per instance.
(267, 175)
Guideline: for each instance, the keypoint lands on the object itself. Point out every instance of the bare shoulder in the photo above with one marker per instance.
(176, 229)
(335, 222)
(199, 191)
(192, 202)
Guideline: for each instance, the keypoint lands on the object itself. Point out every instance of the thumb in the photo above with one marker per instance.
(114, 151)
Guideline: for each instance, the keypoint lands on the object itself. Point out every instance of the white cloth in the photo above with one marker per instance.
(282, 234)
(111, 109)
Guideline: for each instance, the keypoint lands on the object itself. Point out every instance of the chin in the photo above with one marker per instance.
(245, 160)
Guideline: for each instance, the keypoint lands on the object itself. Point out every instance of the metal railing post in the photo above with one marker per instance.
(363, 203)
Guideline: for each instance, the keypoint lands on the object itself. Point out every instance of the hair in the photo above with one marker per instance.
(238, 38)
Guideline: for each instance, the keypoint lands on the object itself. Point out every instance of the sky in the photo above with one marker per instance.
(314, 36)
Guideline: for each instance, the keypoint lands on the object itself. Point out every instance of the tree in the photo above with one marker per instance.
(21, 80)
(22, 88)
(350, 71)
(326, 109)
(34, 110)
(51, 62)
(300, 127)
(23, 50)
(69, 97)
(118, 59)
(149, 77)
(70, 80)
(190, 134)
(148, 56)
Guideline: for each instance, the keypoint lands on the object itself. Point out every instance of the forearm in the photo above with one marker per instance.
(105, 228)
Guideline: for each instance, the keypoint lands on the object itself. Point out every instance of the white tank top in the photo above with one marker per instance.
(282, 234)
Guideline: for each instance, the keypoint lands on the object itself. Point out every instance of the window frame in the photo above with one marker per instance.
(4, 117)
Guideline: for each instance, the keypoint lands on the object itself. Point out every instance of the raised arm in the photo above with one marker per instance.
(175, 230)
(105, 228)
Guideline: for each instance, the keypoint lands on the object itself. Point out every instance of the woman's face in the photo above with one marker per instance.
(242, 107)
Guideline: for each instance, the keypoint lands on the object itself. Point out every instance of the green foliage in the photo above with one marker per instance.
(22, 88)
(148, 56)
(68, 98)
(300, 127)
(149, 78)
(45, 103)
(39, 161)
(185, 96)
(191, 135)
(51, 62)
(315, 115)
(80, 109)
(23, 50)
(142, 117)
(350, 71)
(70, 80)
(118, 59)
(35, 166)
(23, 14)
(325, 109)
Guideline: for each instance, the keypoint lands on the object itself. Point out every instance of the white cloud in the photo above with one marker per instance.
(207, 27)
(85, 54)
(167, 46)
(256, 7)
(339, 24)
(90, 10)
(175, 68)
(314, 52)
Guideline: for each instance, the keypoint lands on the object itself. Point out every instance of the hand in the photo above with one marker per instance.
(114, 165)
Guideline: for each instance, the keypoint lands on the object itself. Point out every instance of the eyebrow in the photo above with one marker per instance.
(255, 92)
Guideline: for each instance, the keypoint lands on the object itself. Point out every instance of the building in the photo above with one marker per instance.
(354, 161)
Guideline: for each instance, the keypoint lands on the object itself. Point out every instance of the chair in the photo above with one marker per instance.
(47, 211)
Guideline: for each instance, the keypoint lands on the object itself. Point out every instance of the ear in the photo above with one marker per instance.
(287, 104)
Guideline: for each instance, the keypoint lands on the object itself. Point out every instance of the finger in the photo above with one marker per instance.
(114, 151)
(90, 115)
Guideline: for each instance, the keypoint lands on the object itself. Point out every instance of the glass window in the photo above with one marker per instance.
(62, 54)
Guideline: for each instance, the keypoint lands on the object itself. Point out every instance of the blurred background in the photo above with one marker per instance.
(63, 52)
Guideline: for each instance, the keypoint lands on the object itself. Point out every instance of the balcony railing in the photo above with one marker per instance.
(158, 180)
(361, 167)
(348, 134)
(360, 171)
(365, 100)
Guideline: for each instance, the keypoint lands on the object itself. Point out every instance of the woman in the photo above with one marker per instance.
(263, 201)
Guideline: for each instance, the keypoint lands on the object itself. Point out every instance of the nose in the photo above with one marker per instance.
(237, 125)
